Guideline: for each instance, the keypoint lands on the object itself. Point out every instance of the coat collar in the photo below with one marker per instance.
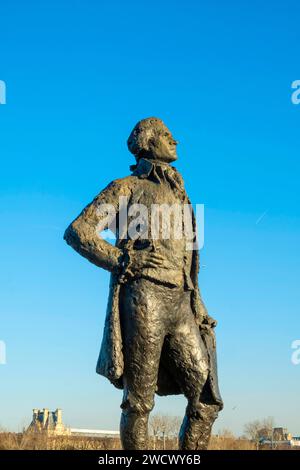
(144, 167)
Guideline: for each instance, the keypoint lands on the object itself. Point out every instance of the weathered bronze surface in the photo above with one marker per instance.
(158, 336)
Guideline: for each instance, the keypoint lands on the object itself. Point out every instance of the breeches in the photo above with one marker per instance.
(159, 330)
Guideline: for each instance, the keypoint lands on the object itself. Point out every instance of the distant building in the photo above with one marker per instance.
(93, 433)
(50, 422)
(296, 441)
(281, 434)
(281, 439)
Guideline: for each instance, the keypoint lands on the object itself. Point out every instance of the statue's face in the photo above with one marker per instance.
(151, 139)
(163, 147)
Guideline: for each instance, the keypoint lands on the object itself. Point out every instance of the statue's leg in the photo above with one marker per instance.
(134, 421)
(188, 360)
(196, 428)
(143, 336)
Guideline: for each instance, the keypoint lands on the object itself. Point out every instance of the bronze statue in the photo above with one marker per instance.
(158, 336)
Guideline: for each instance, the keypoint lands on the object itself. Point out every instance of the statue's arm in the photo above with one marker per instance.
(83, 234)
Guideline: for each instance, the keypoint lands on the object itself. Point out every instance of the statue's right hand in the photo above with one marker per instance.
(142, 259)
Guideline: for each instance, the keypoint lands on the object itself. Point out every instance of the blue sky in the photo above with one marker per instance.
(79, 75)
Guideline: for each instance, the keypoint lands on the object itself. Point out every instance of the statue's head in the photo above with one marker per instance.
(151, 139)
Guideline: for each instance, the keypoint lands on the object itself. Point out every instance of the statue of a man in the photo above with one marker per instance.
(158, 337)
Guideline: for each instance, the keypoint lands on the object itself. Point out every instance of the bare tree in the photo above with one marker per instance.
(155, 426)
(267, 429)
(252, 431)
(257, 430)
(164, 426)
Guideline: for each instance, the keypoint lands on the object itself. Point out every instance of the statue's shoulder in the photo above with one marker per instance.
(119, 187)
(123, 183)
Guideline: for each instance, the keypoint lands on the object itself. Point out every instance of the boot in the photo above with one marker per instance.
(195, 430)
(134, 430)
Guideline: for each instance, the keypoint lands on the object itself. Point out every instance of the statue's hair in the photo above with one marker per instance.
(145, 131)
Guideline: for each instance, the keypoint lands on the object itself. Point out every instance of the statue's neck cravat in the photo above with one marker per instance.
(160, 172)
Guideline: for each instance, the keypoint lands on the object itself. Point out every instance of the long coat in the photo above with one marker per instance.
(81, 236)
